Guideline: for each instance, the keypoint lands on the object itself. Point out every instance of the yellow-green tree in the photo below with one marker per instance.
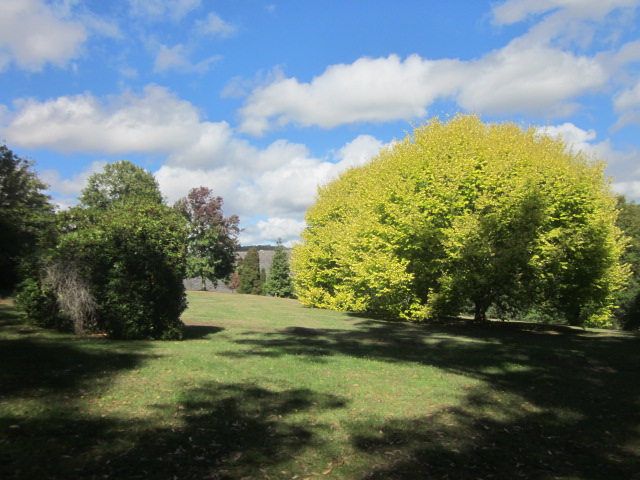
(463, 212)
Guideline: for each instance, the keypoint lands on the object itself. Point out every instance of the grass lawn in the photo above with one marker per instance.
(263, 388)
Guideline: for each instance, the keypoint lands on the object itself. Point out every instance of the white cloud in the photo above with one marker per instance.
(279, 181)
(154, 121)
(33, 34)
(177, 58)
(70, 186)
(286, 229)
(529, 78)
(214, 25)
(368, 90)
(569, 22)
(539, 73)
(630, 189)
(514, 11)
(575, 137)
(627, 104)
(580, 140)
(358, 152)
(174, 9)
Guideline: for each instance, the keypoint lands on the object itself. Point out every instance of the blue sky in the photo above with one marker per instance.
(261, 101)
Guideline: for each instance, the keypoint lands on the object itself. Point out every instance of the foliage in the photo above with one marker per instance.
(279, 283)
(249, 274)
(628, 312)
(114, 264)
(24, 212)
(132, 259)
(38, 303)
(234, 279)
(212, 240)
(462, 212)
(120, 181)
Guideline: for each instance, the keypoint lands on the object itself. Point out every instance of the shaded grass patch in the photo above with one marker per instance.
(263, 388)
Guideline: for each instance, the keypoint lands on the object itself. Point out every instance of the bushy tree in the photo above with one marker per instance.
(114, 267)
(279, 283)
(25, 211)
(628, 312)
(249, 274)
(132, 259)
(212, 236)
(120, 181)
(460, 213)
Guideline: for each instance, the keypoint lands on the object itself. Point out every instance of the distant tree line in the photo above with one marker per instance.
(253, 280)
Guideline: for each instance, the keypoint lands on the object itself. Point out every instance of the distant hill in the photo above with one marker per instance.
(259, 247)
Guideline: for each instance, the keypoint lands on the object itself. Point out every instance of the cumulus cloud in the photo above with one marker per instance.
(155, 120)
(65, 190)
(580, 140)
(287, 230)
(529, 78)
(575, 137)
(627, 104)
(358, 152)
(278, 180)
(536, 74)
(33, 34)
(630, 189)
(368, 90)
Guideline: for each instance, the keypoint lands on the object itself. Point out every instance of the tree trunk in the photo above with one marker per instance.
(480, 310)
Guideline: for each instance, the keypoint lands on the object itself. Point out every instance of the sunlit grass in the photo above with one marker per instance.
(263, 388)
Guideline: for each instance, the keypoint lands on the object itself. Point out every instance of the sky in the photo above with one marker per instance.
(262, 101)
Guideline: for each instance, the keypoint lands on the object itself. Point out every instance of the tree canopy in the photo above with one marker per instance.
(628, 312)
(462, 213)
(213, 238)
(120, 181)
(114, 264)
(24, 211)
(279, 282)
(249, 274)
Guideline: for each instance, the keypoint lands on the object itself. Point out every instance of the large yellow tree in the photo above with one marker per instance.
(463, 213)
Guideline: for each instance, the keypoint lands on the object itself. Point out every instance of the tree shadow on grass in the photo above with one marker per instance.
(220, 432)
(198, 332)
(36, 365)
(551, 403)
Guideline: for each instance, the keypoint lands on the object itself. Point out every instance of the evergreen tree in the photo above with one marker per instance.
(249, 274)
(628, 311)
(24, 212)
(279, 283)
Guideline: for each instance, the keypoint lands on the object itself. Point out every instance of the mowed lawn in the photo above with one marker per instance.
(263, 388)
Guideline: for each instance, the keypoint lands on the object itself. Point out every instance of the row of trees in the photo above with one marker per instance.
(253, 280)
(462, 216)
(458, 216)
(115, 263)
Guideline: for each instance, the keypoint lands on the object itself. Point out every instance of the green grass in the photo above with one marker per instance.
(263, 388)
